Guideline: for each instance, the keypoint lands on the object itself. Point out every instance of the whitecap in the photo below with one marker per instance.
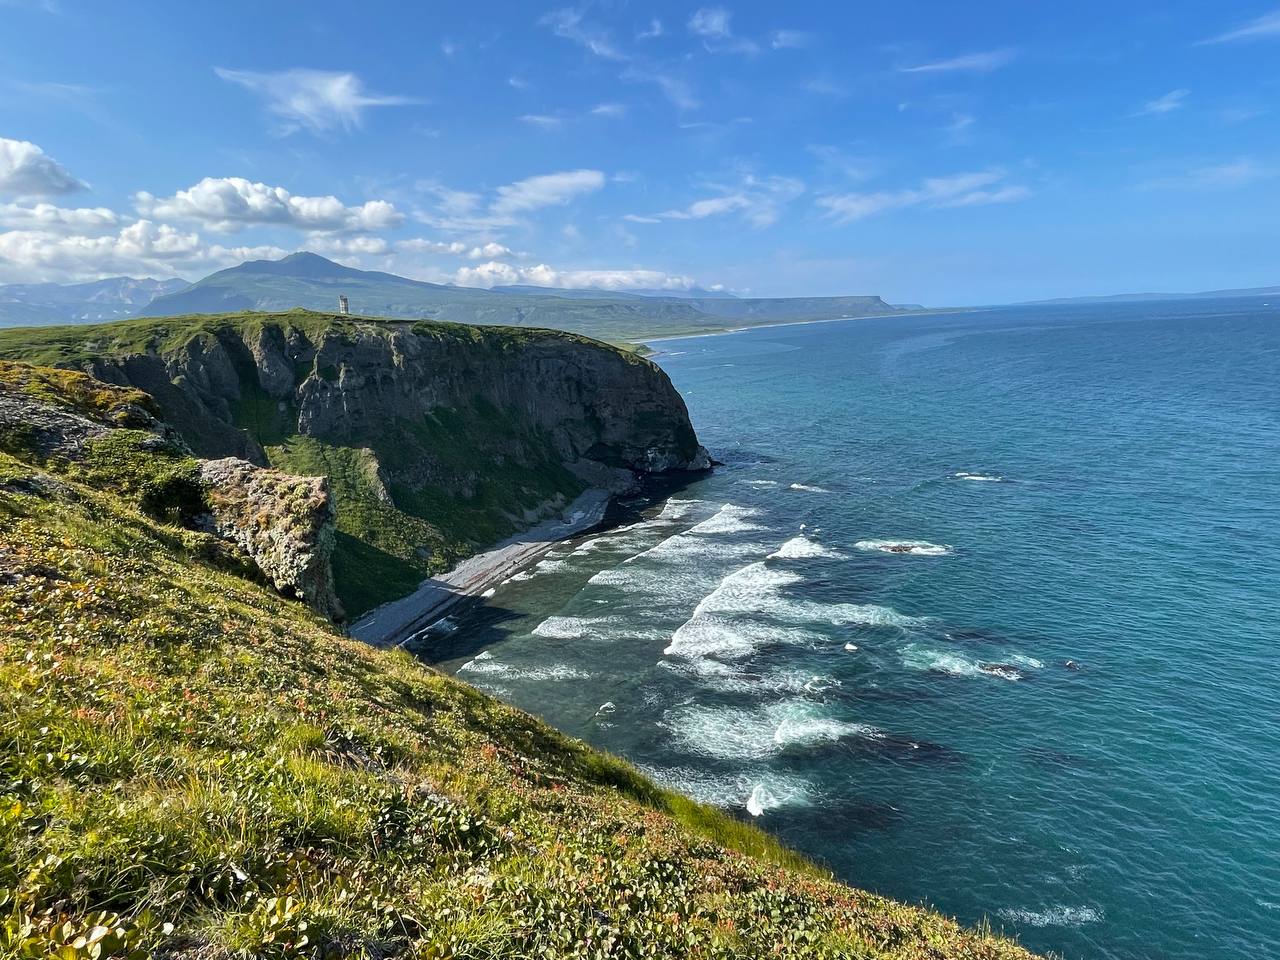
(917, 548)
(800, 548)
(760, 483)
(809, 488)
(567, 628)
(987, 477)
(486, 666)
(921, 657)
(730, 518)
(732, 733)
(775, 792)
(1056, 916)
(716, 625)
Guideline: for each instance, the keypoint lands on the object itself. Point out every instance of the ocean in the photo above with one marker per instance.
(981, 611)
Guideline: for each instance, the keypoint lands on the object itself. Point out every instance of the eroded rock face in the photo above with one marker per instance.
(285, 524)
(600, 407)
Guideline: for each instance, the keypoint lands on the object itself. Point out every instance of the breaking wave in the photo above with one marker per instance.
(809, 488)
(801, 548)
(1059, 916)
(486, 666)
(733, 733)
(917, 548)
(988, 477)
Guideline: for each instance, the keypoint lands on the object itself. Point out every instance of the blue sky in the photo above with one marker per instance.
(930, 152)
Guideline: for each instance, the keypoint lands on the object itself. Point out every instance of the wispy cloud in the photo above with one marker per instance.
(983, 62)
(1267, 25)
(789, 39)
(961, 190)
(570, 24)
(27, 171)
(465, 212)
(758, 200)
(672, 84)
(651, 32)
(609, 110)
(1171, 101)
(1218, 176)
(546, 190)
(543, 121)
(542, 275)
(714, 26)
(317, 100)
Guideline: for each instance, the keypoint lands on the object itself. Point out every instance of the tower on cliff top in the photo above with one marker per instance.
(343, 308)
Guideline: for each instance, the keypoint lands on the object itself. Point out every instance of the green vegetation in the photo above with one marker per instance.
(193, 767)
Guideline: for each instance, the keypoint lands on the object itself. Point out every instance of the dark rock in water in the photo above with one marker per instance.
(898, 548)
(1072, 665)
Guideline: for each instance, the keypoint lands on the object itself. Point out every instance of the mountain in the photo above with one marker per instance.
(310, 281)
(1144, 297)
(439, 439)
(196, 765)
(23, 304)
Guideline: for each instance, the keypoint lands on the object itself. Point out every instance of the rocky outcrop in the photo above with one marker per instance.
(599, 406)
(284, 524)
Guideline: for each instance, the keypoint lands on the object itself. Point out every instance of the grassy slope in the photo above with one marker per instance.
(385, 548)
(193, 766)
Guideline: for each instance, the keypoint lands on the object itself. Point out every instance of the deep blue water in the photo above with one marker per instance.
(1123, 805)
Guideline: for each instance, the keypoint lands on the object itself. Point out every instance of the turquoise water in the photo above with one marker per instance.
(1060, 709)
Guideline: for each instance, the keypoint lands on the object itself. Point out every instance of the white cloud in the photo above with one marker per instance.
(1267, 25)
(609, 110)
(713, 25)
(1219, 176)
(652, 31)
(347, 246)
(495, 274)
(568, 23)
(140, 247)
(547, 190)
(543, 121)
(230, 203)
(673, 86)
(50, 218)
(789, 39)
(759, 200)
(961, 190)
(317, 100)
(27, 171)
(982, 62)
(489, 251)
(421, 245)
(1173, 100)
(711, 22)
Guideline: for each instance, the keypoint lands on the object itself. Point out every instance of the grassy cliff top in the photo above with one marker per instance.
(77, 344)
(192, 766)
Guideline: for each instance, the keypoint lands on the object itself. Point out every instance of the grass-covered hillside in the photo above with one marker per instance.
(439, 439)
(193, 766)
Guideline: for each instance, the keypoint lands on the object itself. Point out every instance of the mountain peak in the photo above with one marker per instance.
(300, 264)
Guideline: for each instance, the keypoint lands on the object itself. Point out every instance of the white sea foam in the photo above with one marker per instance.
(567, 628)
(863, 614)
(809, 488)
(922, 657)
(728, 678)
(760, 483)
(917, 548)
(800, 548)
(489, 593)
(774, 792)
(485, 665)
(731, 518)
(987, 477)
(1057, 916)
(732, 733)
(719, 624)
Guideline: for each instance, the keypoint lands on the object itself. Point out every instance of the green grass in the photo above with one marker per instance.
(193, 766)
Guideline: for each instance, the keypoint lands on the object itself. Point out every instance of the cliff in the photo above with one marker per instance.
(194, 767)
(437, 439)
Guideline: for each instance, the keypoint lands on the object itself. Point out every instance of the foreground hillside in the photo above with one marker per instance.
(438, 439)
(193, 766)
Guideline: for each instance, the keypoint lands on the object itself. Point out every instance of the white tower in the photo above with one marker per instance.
(342, 306)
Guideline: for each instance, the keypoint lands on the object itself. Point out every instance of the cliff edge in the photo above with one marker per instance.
(437, 439)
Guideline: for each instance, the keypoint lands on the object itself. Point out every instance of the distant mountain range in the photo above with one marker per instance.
(34, 304)
(1144, 297)
(310, 281)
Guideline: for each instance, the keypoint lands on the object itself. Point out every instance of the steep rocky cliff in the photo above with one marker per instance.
(438, 439)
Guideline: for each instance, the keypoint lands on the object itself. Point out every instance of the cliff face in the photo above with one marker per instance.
(438, 439)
